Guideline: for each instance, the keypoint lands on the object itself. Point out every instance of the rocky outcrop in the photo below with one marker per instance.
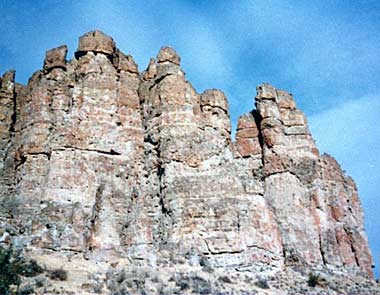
(106, 170)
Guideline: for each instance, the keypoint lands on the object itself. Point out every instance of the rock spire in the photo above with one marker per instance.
(107, 170)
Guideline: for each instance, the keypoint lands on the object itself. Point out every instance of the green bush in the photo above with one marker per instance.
(313, 280)
(26, 290)
(12, 266)
(58, 274)
(8, 271)
(262, 283)
(29, 269)
(225, 279)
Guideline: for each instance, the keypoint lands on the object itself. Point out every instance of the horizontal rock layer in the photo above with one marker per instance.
(103, 163)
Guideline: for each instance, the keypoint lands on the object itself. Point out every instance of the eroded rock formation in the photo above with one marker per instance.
(104, 168)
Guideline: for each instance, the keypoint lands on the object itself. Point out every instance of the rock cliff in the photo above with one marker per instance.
(130, 182)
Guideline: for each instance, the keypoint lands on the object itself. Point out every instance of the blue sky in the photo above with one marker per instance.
(326, 53)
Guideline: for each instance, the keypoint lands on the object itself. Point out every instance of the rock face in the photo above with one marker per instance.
(107, 170)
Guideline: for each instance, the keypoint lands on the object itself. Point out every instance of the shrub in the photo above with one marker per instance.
(313, 280)
(206, 264)
(225, 279)
(26, 290)
(183, 285)
(262, 283)
(9, 205)
(121, 276)
(40, 282)
(30, 269)
(8, 274)
(58, 274)
(12, 266)
(200, 285)
(194, 282)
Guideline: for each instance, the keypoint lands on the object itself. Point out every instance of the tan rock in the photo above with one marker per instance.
(55, 58)
(132, 182)
(151, 70)
(214, 98)
(168, 54)
(126, 63)
(96, 41)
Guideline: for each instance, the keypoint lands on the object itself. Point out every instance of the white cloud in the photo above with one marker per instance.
(350, 131)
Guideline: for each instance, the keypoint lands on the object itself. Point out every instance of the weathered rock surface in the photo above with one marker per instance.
(131, 182)
(56, 58)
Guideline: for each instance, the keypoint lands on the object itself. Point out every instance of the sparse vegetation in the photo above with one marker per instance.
(58, 274)
(313, 280)
(200, 285)
(193, 282)
(121, 276)
(30, 269)
(262, 283)
(8, 274)
(205, 264)
(203, 261)
(225, 279)
(40, 282)
(127, 280)
(26, 290)
(9, 205)
(12, 266)
(183, 285)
